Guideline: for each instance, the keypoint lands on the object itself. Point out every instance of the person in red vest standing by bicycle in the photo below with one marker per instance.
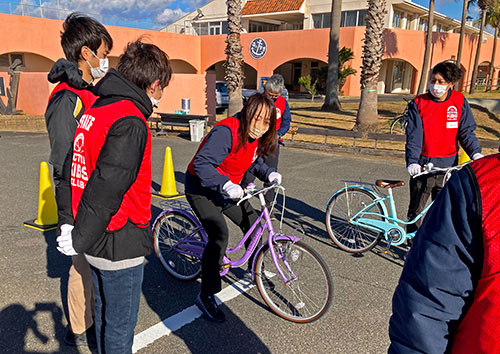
(448, 296)
(86, 44)
(212, 184)
(273, 89)
(111, 190)
(437, 121)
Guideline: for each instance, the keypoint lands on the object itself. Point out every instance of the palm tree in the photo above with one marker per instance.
(422, 86)
(234, 57)
(483, 5)
(493, 19)
(465, 7)
(332, 102)
(373, 50)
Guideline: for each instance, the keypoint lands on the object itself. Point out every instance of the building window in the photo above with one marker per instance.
(262, 27)
(396, 19)
(210, 28)
(347, 19)
(409, 20)
(214, 28)
(361, 18)
(8, 59)
(4, 60)
(322, 20)
(422, 24)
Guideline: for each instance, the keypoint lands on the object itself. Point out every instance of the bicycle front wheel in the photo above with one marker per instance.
(398, 126)
(349, 237)
(178, 245)
(308, 293)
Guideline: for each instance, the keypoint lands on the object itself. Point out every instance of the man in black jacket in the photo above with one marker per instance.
(111, 190)
(86, 43)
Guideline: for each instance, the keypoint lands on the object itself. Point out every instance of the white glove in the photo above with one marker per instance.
(65, 241)
(274, 177)
(477, 156)
(414, 169)
(233, 190)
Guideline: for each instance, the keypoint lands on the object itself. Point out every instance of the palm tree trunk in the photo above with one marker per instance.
(332, 102)
(462, 35)
(422, 86)
(492, 62)
(234, 57)
(373, 51)
(478, 52)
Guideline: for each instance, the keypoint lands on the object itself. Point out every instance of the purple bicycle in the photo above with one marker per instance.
(291, 277)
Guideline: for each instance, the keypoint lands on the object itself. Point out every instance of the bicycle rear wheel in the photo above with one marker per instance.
(398, 126)
(307, 295)
(178, 245)
(349, 237)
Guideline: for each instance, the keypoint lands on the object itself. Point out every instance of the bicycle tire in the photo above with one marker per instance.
(171, 230)
(398, 126)
(347, 236)
(306, 297)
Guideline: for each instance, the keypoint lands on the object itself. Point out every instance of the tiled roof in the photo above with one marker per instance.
(254, 7)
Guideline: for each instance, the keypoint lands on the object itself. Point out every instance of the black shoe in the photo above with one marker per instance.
(85, 339)
(208, 306)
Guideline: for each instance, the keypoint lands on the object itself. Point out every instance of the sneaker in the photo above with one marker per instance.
(208, 306)
(85, 339)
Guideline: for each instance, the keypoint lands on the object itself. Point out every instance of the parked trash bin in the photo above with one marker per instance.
(186, 105)
(196, 129)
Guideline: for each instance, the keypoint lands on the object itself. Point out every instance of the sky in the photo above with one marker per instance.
(152, 14)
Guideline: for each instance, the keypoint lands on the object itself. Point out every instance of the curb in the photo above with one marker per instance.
(345, 149)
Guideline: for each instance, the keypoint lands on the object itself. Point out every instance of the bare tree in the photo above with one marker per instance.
(332, 102)
(373, 50)
(234, 57)
(483, 5)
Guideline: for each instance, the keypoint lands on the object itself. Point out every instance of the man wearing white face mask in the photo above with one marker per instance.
(437, 121)
(81, 38)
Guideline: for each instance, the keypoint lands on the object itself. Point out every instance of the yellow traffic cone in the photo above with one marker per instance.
(168, 188)
(47, 207)
(463, 157)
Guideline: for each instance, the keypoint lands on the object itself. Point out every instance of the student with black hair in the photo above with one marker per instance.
(437, 121)
(86, 44)
(111, 190)
(212, 184)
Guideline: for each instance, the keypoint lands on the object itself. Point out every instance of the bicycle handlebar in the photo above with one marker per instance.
(254, 191)
(430, 168)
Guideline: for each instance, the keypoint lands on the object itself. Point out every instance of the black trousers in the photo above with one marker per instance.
(421, 188)
(211, 216)
(270, 160)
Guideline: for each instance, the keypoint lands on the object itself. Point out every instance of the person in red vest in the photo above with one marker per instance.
(448, 296)
(86, 44)
(437, 121)
(273, 87)
(111, 190)
(212, 184)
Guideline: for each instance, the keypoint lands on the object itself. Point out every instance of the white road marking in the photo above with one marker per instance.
(186, 316)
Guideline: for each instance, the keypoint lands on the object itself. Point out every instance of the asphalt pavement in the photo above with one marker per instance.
(34, 275)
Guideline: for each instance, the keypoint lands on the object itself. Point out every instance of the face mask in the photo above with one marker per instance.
(438, 90)
(255, 133)
(154, 101)
(101, 70)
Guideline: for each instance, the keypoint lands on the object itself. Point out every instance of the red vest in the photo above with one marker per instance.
(280, 109)
(440, 122)
(237, 162)
(87, 97)
(479, 331)
(90, 137)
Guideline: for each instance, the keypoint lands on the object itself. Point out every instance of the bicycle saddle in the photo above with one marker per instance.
(387, 183)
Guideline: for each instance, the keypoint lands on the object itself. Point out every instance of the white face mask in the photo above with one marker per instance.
(256, 133)
(154, 101)
(101, 70)
(438, 90)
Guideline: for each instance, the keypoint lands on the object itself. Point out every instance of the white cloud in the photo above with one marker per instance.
(169, 15)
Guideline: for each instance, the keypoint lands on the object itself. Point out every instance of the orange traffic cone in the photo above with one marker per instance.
(47, 207)
(168, 187)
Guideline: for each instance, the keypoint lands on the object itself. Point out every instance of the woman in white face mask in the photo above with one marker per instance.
(212, 185)
(437, 122)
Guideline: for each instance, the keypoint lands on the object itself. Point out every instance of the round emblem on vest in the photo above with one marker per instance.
(452, 113)
(258, 48)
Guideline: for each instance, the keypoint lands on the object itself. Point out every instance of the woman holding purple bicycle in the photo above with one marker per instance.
(235, 145)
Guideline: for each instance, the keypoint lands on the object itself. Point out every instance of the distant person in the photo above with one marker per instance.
(86, 44)
(111, 190)
(448, 296)
(212, 184)
(273, 88)
(437, 121)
